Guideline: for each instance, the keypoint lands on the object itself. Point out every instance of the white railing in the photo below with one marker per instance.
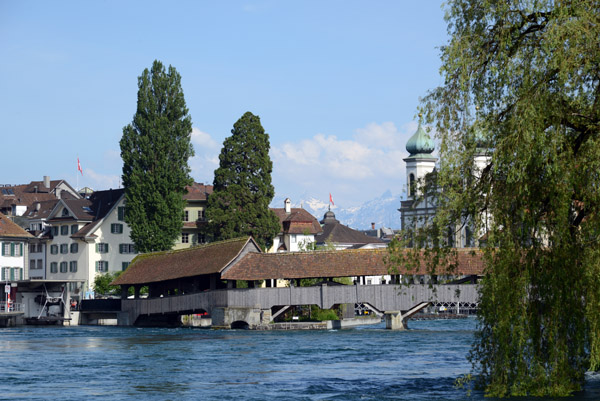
(13, 307)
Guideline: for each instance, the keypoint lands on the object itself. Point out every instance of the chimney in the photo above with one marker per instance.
(288, 205)
(372, 226)
(47, 181)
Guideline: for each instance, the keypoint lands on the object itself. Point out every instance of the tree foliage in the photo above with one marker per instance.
(242, 190)
(102, 284)
(155, 149)
(521, 82)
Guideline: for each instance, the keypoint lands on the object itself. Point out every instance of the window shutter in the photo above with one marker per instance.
(12, 250)
(21, 249)
(20, 274)
(3, 248)
(12, 274)
(97, 263)
(97, 250)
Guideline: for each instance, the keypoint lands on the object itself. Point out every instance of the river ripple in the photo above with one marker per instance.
(114, 363)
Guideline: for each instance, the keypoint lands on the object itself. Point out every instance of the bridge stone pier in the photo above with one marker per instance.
(253, 307)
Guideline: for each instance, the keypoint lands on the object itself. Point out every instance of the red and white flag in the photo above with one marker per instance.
(331, 199)
(79, 167)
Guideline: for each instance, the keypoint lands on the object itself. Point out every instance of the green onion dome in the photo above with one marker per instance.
(420, 144)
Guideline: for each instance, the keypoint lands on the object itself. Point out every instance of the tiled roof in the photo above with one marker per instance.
(198, 191)
(200, 260)
(41, 212)
(10, 229)
(298, 221)
(98, 206)
(346, 263)
(337, 233)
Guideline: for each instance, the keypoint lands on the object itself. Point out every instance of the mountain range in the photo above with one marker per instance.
(383, 211)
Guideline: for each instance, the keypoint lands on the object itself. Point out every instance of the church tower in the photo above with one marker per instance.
(420, 162)
(418, 207)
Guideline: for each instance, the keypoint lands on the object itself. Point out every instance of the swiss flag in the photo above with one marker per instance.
(331, 199)
(79, 167)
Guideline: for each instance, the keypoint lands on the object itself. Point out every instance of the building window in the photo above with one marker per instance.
(64, 248)
(293, 238)
(53, 249)
(40, 264)
(32, 264)
(102, 266)
(186, 215)
(63, 267)
(126, 248)
(185, 238)
(201, 239)
(53, 267)
(54, 231)
(101, 247)
(12, 249)
(74, 248)
(125, 265)
(121, 213)
(6, 249)
(39, 248)
(65, 212)
(116, 228)
(11, 274)
(64, 230)
(411, 185)
(73, 266)
(32, 248)
(201, 214)
(74, 228)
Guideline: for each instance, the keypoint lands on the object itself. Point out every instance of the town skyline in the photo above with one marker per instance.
(336, 86)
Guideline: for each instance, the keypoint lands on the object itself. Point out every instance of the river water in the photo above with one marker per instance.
(365, 363)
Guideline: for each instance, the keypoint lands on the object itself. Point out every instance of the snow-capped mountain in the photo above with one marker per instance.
(383, 211)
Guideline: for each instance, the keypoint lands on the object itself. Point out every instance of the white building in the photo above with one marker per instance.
(88, 237)
(298, 229)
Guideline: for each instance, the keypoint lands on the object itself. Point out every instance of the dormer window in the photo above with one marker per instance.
(65, 212)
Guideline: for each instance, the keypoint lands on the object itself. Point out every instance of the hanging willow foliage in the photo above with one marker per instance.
(521, 85)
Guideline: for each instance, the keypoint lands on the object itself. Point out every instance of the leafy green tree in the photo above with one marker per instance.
(102, 284)
(242, 190)
(155, 149)
(521, 85)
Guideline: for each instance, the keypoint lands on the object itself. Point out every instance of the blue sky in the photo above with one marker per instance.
(336, 84)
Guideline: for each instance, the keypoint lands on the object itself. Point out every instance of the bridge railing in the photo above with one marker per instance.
(382, 297)
(12, 307)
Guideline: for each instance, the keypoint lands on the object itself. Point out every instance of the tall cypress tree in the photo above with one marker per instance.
(155, 149)
(239, 204)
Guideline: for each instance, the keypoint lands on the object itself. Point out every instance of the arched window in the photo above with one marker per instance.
(411, 185)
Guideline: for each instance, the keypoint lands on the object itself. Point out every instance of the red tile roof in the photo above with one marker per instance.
(346, 263)
(198, 191)
(298, 221)
(10, 229)
(196, 261)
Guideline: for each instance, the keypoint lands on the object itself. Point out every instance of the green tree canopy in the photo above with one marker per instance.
(155, 149)
(242, 191)
(521, 86)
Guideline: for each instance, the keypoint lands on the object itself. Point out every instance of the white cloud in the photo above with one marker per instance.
(202, 140)
(206, 158)
(99, 181)
(355, 170)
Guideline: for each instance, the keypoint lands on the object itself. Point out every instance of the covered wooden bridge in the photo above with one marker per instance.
(205, 279)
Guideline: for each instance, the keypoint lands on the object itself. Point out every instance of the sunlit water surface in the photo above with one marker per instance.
(366, 363)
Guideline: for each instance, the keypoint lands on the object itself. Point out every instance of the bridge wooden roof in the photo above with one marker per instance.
(347, 263)
(196, 261)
